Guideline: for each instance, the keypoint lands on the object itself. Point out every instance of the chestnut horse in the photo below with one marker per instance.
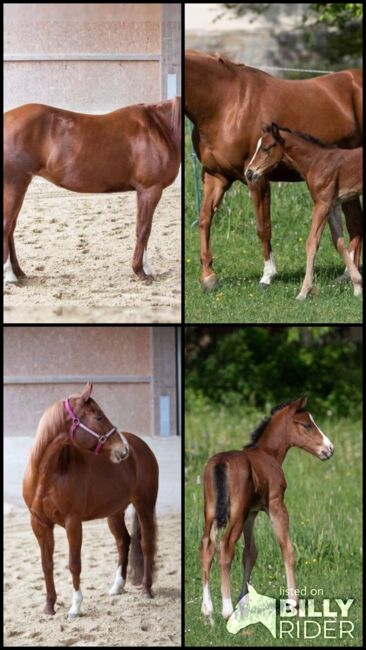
(238, 484)
(81, 468)
(332, 175)
(227, 104)
(134, 148)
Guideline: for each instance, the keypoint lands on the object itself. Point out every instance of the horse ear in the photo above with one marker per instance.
(264, 127)
(298, 404)
(87, 391)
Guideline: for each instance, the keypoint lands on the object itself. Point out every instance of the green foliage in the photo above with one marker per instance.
(261, 367)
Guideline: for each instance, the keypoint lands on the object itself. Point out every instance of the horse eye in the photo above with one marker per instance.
(307, 426)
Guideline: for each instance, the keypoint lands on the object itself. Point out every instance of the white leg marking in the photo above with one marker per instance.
(77, 598)
(269, 270)
(207, 606)
(9, 275)
(227, 607)
(145, 265)
(117, 587)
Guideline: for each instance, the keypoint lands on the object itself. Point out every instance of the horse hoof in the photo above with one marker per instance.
(210, 282)
(357, 291)
(72, 617)
(300, 297)
(264, 285)
(49, 610)
(148, 593)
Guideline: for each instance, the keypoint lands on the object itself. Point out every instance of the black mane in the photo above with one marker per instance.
(256, 434)
(308, 138)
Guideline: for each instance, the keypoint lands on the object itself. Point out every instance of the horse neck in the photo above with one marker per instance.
(203, 88)
(274, 440)
(299, 153)
(52, 423)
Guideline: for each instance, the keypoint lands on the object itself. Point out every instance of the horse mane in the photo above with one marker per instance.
(176, 115)
(259, 430)
(50, 425)
(305, 136)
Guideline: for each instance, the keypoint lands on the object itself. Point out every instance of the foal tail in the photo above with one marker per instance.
(136, 555)
(222, 507)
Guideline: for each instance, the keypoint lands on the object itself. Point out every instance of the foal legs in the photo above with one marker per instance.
(74, 536)
(13, 199)
(353, 213)
(227, 551)
(338, 241)
(45, 539)
(279, 518)
(319, 219)
(147, 200)
(118, 528)
(249, 552)
(261, 197)
(206, 555)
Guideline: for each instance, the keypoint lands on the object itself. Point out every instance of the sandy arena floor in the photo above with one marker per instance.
(125, 620)
(76, 250)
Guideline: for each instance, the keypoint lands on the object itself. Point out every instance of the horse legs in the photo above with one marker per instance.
(261, 196)
(338, 241)
(206, 555)
(44, 535)
(13, 199)
(118, 528)
(214, 188)
(147, 200)
(146, 518)
(227, 551)
(319, 219)
(280, 522)
(74, 535)
(249, 552)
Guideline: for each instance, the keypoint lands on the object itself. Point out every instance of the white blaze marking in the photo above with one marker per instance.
(256, 151)
(9, 275)
(269, 270)
(326, 440)
(117, 587)
(77, 598)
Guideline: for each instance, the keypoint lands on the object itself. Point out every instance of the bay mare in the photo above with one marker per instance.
(136, 148)
(333, 176)
(228, 103)
(81, 468)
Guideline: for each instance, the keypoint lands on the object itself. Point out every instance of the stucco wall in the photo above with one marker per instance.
(121, 33)
(44, 364)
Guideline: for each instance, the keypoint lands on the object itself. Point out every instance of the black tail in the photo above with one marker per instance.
(222, 495)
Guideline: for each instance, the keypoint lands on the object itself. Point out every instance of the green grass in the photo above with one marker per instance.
(324, 503)
(238, 262)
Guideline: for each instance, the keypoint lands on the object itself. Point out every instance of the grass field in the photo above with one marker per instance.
(238, 262)
(324, 502)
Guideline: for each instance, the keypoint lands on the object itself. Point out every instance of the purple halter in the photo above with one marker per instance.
(102, 438)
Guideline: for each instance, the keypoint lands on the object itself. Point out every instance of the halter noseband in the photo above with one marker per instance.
(102, 438)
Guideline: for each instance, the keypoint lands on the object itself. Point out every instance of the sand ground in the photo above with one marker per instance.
(76, 250)
(125, 620)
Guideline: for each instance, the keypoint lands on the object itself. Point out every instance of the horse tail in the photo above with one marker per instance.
(136, 555)
(222, 509)
(177, 117)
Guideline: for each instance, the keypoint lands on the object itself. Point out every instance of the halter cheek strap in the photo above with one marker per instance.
(102, 438)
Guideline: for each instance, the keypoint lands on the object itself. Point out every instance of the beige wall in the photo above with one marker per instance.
(115, 31)
(131, 367)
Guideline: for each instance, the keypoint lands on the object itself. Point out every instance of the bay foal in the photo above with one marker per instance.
(333, 176)
(238, 484)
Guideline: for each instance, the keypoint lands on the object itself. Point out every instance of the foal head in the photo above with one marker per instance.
(304, 433)
(90, 415)
(268, 154)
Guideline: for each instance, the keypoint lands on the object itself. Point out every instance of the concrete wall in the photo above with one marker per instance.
(90, 57)
(132, 368)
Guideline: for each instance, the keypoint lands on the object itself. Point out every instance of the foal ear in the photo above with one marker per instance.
(298, 404)
(87, 391)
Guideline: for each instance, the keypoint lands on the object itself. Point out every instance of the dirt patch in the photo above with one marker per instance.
(76, 250)
(126, 620)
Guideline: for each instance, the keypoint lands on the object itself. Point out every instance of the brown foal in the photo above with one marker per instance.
(238, 484)
(136, 148)
(333, 176)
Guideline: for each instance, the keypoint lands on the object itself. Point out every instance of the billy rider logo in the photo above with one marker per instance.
(330, 620)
